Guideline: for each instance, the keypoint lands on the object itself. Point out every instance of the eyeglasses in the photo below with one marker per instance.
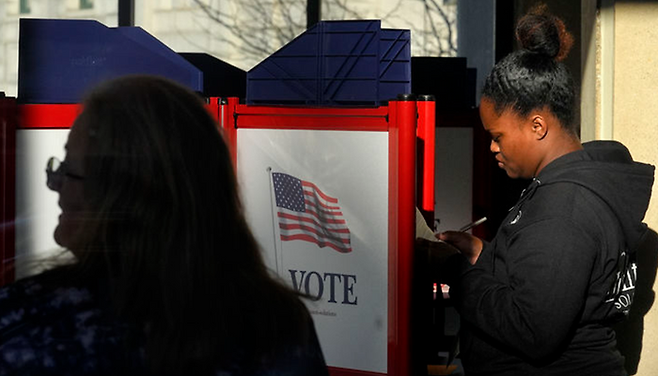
(56, 170)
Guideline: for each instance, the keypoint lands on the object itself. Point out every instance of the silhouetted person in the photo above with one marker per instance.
(168, 279)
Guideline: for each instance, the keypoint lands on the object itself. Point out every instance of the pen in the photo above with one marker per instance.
(472, 224)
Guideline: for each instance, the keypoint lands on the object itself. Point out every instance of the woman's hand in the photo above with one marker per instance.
(469, 245)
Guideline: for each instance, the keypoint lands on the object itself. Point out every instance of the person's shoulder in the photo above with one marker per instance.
(572, 208)
(556, 197)
(565, 193)
(566, 204)
(49, 328)
(18, 292)
(44, 287)
(31, 302)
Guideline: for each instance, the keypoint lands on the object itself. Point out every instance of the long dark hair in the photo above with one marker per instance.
(168, 231)
(534, 76)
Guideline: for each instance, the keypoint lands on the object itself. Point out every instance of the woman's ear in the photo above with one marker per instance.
(539, 126)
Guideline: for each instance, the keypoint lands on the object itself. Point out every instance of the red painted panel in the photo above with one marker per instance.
(406, 123)
(312, 111)
(47, 116)
(426, 163)
(393, 236)
(336, 123)
(7, 188)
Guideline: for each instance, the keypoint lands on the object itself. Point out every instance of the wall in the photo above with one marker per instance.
(635, 108)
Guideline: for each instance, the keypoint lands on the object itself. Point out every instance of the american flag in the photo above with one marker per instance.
(305, 213)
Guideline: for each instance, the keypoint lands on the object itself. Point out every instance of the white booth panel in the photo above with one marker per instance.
(36, 205)
(350, 282)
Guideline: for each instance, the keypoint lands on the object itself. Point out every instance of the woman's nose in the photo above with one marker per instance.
(494, 147)
(54, 182)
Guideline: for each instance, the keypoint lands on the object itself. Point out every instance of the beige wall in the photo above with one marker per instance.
(635, 118)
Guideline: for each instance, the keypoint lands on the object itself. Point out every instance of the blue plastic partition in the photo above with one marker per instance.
(335, 63)
(60, 59)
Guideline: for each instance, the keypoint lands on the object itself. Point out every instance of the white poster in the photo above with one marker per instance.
(36, 205)
(317, 202)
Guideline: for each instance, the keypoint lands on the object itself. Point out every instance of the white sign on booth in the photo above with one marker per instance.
(36, 205)
(340, 257)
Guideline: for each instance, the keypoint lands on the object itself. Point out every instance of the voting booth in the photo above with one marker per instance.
(330, 171)
(325, 150)
(330, 196)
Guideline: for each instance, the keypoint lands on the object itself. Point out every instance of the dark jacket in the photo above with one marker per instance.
(69, 330)
(542, 296)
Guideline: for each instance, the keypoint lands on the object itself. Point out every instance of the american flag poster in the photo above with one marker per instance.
(317, 203)
(306, 213)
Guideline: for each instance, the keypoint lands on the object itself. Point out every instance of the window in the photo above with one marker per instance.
(25, 6)
(86, 4)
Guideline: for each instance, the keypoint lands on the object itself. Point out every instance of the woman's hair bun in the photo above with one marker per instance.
(542, 33)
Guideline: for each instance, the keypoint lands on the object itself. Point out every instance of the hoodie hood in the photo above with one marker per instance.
(607, 169)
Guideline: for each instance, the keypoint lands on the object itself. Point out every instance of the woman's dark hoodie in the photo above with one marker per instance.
(542, 296)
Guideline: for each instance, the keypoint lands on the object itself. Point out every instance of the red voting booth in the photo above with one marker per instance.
(406, 123)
